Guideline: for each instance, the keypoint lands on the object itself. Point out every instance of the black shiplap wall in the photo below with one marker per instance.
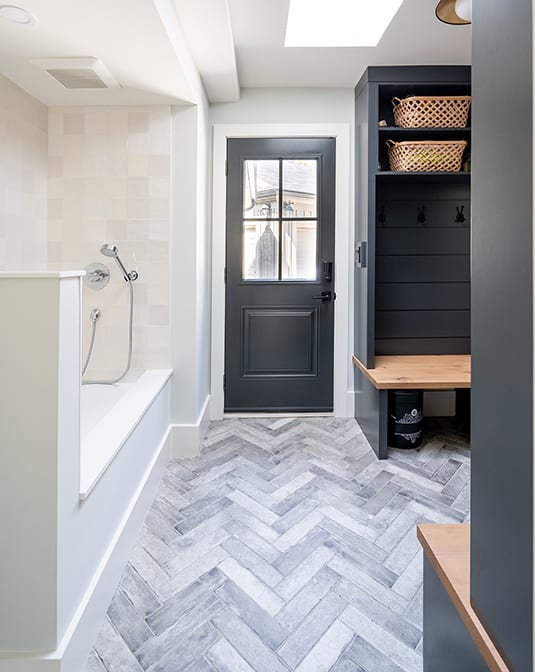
(423, 269)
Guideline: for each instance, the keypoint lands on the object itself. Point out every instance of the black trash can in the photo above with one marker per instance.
(406, 418)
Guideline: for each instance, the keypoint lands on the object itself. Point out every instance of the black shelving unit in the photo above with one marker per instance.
(392, 206)
(412, 232)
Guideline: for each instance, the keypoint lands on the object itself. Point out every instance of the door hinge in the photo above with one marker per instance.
(225, 275)
(224, 382)
(226, 167)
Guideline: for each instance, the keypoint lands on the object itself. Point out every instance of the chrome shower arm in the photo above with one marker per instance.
(125, 273)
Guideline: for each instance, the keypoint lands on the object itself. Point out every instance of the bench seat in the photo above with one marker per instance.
(423, 372)
(406, 372)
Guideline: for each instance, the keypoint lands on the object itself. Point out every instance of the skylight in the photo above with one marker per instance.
(338, 23)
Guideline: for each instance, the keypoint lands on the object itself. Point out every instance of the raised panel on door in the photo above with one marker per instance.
(279, 342)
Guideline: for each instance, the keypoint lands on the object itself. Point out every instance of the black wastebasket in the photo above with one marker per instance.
(405, 418)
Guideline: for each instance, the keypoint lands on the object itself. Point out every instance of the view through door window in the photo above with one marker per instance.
(280, 226)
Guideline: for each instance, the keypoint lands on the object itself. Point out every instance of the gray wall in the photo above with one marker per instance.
(502, 338)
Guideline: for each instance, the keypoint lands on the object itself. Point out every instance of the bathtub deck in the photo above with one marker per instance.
(114, 417)
(285, 546)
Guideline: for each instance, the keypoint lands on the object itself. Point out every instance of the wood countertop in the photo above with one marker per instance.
(423, 372)
(447, 547)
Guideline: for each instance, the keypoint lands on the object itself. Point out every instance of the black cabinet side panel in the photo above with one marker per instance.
(448, 646)
(502, 338)
(364, 232)
(371, 411)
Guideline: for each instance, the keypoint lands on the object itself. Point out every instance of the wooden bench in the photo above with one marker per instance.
(454, 637)
(398, 372)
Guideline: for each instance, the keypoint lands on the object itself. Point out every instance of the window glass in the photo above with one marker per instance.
(260, 189)
(299, 257)
(299, 187)
(260, 250)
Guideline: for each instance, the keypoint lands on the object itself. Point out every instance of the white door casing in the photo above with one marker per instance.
(343, 318)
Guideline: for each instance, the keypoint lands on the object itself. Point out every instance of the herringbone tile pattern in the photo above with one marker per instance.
(285, 546)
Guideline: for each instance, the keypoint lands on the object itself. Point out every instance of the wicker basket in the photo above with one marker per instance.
(426, 156)
(431, 111)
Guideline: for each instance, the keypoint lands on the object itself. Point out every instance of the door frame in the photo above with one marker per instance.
(343, 307)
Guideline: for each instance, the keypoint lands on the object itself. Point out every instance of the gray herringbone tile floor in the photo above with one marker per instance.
(285, 546)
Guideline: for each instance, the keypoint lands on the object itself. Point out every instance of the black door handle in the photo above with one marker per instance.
(326, 296)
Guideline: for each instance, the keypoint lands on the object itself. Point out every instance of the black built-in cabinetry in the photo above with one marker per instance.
(412, 249)
(502, 327)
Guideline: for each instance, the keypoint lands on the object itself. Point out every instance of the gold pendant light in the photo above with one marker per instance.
(454, 12)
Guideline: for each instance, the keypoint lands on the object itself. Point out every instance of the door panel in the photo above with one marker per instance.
(279, 333)
(280, 341)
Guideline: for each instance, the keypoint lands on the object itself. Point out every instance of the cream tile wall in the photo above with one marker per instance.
(109, 181)
(23, 179)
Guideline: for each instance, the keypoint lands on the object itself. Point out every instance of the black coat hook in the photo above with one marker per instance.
(381, 217)
(421, 218)
(460, 218)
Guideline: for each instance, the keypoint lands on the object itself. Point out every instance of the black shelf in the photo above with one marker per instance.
(399, 129)
(387, 176)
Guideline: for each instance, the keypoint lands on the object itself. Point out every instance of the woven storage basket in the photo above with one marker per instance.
(426, 156)
(431, 111)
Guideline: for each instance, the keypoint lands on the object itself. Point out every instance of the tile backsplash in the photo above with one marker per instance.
(109, 181)
(23, 179)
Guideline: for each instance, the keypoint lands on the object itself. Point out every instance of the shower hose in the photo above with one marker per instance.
(130, 342)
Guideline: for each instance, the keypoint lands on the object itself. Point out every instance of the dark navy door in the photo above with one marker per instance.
(279, 330)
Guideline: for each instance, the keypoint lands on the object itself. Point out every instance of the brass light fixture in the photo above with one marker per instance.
(454, 12)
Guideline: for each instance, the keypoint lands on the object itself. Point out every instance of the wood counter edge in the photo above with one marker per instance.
(431, 538)
(406, 382)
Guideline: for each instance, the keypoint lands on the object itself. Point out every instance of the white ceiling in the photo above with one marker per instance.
(149, 46)
(128, 36)
(414, 37)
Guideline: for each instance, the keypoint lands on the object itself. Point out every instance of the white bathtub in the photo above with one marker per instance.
(108, 416)
(97, 401)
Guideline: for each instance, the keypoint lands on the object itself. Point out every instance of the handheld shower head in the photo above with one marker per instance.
(112, 251)
(109, 250)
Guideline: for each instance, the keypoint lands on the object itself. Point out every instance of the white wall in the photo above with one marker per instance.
(23, 179)
(204, 185)
(287, 106)
(109, 181)
(190, 274)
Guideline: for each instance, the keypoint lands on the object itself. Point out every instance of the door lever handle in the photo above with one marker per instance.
(326, 296)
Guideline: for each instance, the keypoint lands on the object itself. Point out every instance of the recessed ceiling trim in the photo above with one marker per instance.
(338, 23)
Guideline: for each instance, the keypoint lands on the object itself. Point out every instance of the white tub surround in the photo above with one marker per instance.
(62, 557)
(123, 409)
(39, 427)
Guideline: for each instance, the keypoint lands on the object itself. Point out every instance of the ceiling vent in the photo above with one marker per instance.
(78, 73)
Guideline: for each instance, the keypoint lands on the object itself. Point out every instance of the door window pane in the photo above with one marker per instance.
(300, 186)
(260, 250)
(299, 244)
(260, 188)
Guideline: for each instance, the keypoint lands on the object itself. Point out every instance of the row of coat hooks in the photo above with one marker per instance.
(421, 217)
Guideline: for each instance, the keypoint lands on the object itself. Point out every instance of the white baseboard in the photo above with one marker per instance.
(73, 652)
(186, 440)
(350, 404)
